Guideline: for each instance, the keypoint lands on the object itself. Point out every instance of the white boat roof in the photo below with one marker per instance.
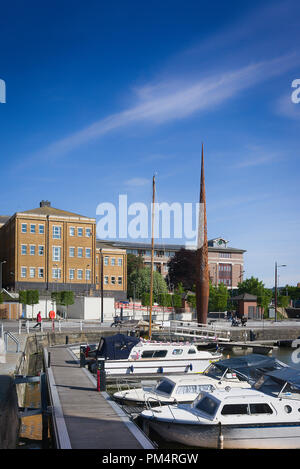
(246, 394)
(164, 344)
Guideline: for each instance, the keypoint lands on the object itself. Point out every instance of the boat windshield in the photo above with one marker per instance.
(165, 387)
(269, 386)
(206, 404)
(214, 372)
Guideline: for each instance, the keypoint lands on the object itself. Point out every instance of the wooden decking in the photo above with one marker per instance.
(82, 417)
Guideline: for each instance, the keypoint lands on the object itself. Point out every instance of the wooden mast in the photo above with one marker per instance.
(152, 258)
(202, 278)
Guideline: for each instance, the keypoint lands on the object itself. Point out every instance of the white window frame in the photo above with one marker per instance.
(56, 273)
(73, 248)
(78, 250)
(113, 261)
(31, 226)
(106, 280)
(56, 235)
(88, 274)
(120, 280)
(31, 269)
(79, 229)
(54, 257)
(88, 232)
(41, 271)
(120, 261)
(106, 260)
(24, 228)
(72, 231)
(34, 250)
(113, 282)
(41, 229)
(72, 277)
(86, 253)
(43, 249)
(79, 274)
(23, 246)
(23, 272)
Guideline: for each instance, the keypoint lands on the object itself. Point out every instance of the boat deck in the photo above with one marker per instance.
(82, 417)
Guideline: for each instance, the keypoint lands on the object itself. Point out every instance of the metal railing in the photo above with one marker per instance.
(7, 335)
(199, 331)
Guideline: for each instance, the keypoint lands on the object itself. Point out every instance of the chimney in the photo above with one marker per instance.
(45, 203)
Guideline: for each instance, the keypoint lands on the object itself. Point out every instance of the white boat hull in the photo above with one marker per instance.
(154, 366)
(271, 436)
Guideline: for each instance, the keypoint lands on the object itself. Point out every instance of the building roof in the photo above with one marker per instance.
(4, 219)
(46, 209)
(164, 247)
(245, 297)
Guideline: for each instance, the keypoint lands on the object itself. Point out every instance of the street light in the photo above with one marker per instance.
(276, 267)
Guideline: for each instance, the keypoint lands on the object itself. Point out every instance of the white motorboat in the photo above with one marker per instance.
(126, 355)
(235, 418)
(177, 389)
(233, 372)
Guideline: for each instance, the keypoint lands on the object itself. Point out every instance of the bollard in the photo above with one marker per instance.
(27, 327)
(80, 326)
(67, 339)
(101, 378)
(82, 356)
(49, 359)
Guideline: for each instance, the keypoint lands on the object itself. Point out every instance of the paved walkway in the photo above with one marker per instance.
(91, 419)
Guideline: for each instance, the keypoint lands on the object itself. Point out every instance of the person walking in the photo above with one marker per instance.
(38, 321)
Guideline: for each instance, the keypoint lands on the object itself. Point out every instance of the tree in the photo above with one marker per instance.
(218, 297)
(29, 297)
(141, 280)
(1, 298)
(64, 298)
(283, 301)
(134, 263)
(182, 268)
(256, 287)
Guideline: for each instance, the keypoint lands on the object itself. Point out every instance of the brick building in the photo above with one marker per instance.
(226, 264)
(53, 250)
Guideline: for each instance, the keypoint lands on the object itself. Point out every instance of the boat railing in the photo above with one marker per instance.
(149, 406)
(201, 331)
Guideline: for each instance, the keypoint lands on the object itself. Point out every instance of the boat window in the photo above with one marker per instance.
(207, 405)
(165, 387)
(288, 409)
(160, 353)
(177, 351)
(235, 409)
(260, 409)
(214, 372)
(194, 388)
(192, 350)
(154, 353)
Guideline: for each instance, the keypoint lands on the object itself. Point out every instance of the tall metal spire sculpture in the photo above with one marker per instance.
(202, 278)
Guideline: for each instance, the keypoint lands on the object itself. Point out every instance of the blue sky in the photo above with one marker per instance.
(102, 95)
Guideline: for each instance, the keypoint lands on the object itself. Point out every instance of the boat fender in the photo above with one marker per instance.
(227, 388)
(160, 369)
(191, 366)
(131, 368)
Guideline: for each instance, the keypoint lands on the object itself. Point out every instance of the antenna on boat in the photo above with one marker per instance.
(152, 257)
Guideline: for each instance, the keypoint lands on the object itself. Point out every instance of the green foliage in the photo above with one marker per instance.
(29, 297)
(218, 297)
(134, 263)
(145, 299)
(64, 298)
(191, 299)
(293, 292)
(165, 300)
(1, 298)
(256, 287)
(141, 280)
(283, 301)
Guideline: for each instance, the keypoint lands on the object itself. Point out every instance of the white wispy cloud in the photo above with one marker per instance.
(169, 101)
(137, 182)
(286, 108)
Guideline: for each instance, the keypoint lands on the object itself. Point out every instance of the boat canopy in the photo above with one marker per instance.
(286, 375)
(116, 347)
(249, 367)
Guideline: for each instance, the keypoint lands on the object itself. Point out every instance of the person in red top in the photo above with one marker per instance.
(39, 320)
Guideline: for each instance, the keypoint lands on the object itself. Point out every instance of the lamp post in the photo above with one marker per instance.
(276, 276)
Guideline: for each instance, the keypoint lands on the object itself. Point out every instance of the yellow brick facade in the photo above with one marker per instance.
(50, 249)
